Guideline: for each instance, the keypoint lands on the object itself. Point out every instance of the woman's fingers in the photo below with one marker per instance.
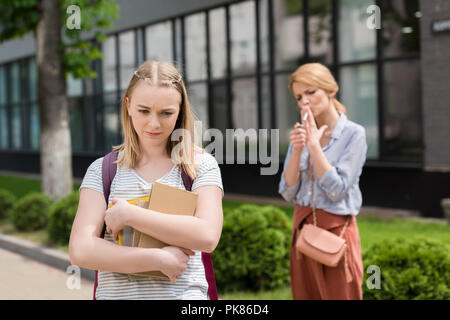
(189, 252)
(310, 121)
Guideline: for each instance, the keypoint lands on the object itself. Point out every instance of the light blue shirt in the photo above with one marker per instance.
(338, 191)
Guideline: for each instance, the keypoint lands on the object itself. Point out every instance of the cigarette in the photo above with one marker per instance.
(305, 116)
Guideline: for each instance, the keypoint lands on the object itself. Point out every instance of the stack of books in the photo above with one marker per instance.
(164, 199)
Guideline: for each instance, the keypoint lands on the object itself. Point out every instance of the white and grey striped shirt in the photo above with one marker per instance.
(127, 184)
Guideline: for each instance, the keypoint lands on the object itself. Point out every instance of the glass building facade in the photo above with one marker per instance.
(236, 60)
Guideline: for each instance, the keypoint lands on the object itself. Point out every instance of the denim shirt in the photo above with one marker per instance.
(338, 190)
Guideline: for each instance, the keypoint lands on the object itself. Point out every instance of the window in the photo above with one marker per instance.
(320, 31)
(358, 90)
(15, 82)
(266, 112)
(111, 126)
(179, 47)
(2, 86)
(220, 106)
(401, 27)
(33, 79)
(158, 40)
(76, 123)
(243, 38)
(4, 127)
(16, 109)
(286, 109)
(16, 126)
(74, 86)
(356, 41)
(127, 58)
(34, 127)
(109, 64)
(402, 120)
(217, 43)
(264, 34)
(198, 99)
(195, 37)
(288, 34)
(245, 110)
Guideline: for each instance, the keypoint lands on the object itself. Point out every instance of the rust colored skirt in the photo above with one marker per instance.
(311, 280)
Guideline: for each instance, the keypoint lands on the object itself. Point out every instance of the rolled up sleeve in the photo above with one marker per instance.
(337, 181)
(288, 193)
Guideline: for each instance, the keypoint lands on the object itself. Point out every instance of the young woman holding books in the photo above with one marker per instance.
(154, 105)
(322, 168)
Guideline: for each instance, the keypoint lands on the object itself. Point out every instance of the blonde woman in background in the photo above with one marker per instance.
(154, 105)
(331, 150)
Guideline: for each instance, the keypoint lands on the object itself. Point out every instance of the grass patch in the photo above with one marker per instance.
(20, 186)
(373, 230)
(278, 294)
(38, 236)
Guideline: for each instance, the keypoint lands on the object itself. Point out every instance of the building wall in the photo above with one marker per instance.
(436, 86)
(132, 14)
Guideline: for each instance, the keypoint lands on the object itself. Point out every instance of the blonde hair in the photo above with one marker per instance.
(166, 76)
(317, 75)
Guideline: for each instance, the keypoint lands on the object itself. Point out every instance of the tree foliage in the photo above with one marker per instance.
(80, 46)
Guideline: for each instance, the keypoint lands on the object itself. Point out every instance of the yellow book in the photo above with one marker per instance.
(124, 236)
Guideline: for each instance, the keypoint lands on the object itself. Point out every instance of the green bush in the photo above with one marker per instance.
(253, 252)
(31, 212)
(7, 200)
(62, 214)
(410, 269)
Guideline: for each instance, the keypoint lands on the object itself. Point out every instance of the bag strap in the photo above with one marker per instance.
(109, 169)
(348, 274)
(313, 202)
(206, 257)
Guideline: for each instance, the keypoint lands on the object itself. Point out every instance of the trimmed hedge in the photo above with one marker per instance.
(253, 252)
(61, 216)
(31, 212)
(410, 269)
(7, 200)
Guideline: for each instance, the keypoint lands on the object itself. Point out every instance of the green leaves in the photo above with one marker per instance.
(410, 269)
(31, 212)
(17, 18)
(61, 216)
(253, 252)
(79, 46)
(79, 52)
(7, 200)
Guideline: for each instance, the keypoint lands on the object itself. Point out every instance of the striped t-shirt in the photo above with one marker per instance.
(128, 184)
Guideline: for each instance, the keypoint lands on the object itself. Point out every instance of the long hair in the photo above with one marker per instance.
(169, 77)
(317, 75)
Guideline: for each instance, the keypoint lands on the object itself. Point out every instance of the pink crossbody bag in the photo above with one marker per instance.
(319, 244)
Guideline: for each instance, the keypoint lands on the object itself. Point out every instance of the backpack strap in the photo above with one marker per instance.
(206, 257)
(109, 169)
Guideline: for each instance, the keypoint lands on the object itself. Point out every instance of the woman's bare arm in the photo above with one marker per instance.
(88, 250)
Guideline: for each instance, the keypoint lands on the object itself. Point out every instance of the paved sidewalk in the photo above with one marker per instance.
(25, 279)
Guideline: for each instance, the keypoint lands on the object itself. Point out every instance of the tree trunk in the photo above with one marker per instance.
(56, 149)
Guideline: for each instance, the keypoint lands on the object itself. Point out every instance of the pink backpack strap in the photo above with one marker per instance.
(108, 172)
(206, 257)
